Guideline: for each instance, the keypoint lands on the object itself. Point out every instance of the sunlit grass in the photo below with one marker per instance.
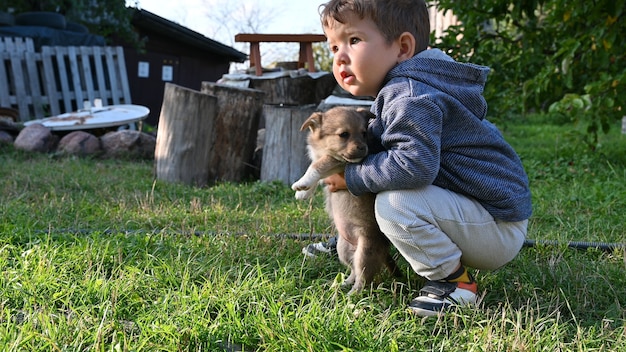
(97, 255)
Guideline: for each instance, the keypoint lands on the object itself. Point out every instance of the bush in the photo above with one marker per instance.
(546, 55)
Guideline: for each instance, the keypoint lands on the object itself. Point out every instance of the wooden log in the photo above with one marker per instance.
(185, 134)
(299, 90)
(235, 130)
(284, 153)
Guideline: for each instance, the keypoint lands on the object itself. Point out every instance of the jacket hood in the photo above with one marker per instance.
(463, 81)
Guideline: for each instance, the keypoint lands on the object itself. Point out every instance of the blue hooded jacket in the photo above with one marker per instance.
(430, 128)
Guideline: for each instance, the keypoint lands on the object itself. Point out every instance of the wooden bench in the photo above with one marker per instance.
(59, 79)
(306, 47)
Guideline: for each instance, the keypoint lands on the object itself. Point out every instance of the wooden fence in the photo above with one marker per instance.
(58, 79)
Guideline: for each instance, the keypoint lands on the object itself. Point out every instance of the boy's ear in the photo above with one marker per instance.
(407, 46)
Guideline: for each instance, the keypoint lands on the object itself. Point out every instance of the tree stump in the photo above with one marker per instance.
(234, 130)
(299, 90)
(284, 153)
(185, 135)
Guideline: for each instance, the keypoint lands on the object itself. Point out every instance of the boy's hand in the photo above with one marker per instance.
(336, 182)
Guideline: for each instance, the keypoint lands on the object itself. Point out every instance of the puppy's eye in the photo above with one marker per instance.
(344, 135)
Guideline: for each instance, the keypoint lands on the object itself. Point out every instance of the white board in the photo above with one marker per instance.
(108, 116)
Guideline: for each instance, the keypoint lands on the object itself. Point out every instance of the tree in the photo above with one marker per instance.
(230, 17)
(323, 56)
(558, 56)
(107, 18)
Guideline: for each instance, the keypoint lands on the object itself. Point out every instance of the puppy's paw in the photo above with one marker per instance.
(300, 186)
(354, 287)
(304, 195)
(304, 184)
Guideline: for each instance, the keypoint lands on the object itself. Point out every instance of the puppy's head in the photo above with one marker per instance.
(340, 132)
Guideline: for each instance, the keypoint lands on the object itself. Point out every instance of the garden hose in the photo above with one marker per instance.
(604, 246)
(608, 247)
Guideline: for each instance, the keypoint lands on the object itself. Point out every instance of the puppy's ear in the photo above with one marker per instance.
(365, 113)
(314, 121)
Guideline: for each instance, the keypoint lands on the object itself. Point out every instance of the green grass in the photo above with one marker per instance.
(96, 255)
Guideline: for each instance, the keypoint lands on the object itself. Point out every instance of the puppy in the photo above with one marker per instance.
(337, 137)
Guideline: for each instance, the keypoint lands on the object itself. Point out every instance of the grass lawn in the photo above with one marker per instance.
(96, 255)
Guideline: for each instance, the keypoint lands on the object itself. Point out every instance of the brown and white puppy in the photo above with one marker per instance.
(339, 136)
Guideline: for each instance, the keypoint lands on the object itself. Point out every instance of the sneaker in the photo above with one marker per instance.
(314, 249)
(437, 297)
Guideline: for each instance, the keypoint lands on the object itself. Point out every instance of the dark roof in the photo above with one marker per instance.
(167, 28)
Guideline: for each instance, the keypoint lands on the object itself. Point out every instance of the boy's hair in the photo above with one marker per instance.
(392, 17)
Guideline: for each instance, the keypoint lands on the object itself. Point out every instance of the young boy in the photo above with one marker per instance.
(450, 191)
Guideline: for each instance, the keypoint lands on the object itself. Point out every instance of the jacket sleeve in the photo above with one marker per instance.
(410, 135)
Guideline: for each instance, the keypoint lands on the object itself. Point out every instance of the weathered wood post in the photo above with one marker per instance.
(185, 132)
(234, 130)
(284, 153)
(289, 100)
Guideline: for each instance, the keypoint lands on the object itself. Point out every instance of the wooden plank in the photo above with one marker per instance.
(279, 38)
(9, 45)
(101, 90)
(75, 76)
(21, 94)
(111, 69)
(58, 51)
(30, 45)
(36, 100)
(4, 80)
(17, 44)
(49, 81)
(122, 74)
(86, 54)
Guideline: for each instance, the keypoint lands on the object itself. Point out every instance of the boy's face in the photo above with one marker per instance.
(362, 56)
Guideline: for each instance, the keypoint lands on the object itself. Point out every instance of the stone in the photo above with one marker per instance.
(129, 143)
(5, 137)
(79, 143)
(36, 138)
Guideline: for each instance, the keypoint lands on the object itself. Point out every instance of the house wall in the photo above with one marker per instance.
(167, 61)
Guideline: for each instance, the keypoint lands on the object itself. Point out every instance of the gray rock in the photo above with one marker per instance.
(36, 138)
(128, 143)
(5, 137)
(79, 143)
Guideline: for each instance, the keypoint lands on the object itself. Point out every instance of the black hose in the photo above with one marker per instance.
(608, 247)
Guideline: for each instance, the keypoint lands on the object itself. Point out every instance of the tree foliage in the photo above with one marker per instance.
(323, 57)
(107, 18)
(559, 56)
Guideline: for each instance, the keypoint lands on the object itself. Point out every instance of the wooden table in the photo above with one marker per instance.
(306, 47)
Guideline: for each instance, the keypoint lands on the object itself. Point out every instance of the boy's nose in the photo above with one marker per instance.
(341, 58)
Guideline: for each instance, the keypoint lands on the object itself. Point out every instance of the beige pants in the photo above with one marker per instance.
(434, 229)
